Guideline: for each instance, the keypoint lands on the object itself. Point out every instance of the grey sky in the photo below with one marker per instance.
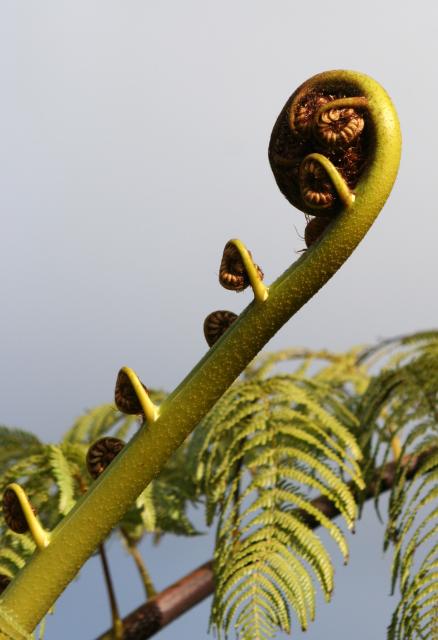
(133, 146)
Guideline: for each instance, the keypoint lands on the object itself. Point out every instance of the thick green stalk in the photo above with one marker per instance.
(49, 571)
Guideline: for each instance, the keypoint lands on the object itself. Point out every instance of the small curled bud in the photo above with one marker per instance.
(4, 582)
(314, 229)
(337, 126)
(125, 397)
(316, 187)
(13, 512)
(232, 273)
(101, 454)
(20, 516)
(301, 118)
(132, 397)
(216, 323)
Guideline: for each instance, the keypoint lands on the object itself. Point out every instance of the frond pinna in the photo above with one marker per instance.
(269, 446)
(402, 404)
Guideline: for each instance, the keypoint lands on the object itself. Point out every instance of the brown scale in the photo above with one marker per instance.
(101, 454)
(13, 513)
(4, 582)
(232, 272)
(339, 127)
(314, 229)
(125, 397)
(216, 323)
(316, 188)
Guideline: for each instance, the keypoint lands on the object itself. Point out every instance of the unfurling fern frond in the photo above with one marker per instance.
(265, 450)
(401, 407)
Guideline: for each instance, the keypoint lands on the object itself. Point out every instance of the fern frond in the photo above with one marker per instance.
(14, 552)
(265, 450)
(402, 402)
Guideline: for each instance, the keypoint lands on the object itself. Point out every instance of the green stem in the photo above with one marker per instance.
(133, 551)
(46, 575)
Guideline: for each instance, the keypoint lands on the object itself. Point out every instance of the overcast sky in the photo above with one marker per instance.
(133, 145)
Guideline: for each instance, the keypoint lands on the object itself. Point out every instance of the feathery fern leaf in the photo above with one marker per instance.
(65, 482)
(265, 450)
(402, 403)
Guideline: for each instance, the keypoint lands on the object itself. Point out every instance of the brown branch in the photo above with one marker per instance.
(181, 596)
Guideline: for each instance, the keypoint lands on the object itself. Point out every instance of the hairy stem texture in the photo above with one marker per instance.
(49, 571)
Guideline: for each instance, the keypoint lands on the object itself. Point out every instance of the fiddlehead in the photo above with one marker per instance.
(238, 271)
(132, 397)
(101, 454)
(216, 323)
(20, 516)
(320, 145)
(367, 166)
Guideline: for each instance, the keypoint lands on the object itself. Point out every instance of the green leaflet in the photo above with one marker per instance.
(63, 477)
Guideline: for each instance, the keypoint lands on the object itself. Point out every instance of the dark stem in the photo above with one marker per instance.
(117, 630)
(136, 556)
(181, 596)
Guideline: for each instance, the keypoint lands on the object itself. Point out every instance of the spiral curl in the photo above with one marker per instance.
(13, 512)
(329, 120)
(125, 397)
(338, 127)
(216, 323)
(232, 272)
(101, 454)
(316, 187)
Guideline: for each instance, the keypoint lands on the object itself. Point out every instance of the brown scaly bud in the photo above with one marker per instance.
(338, 127)
(317, 190)
(314, 229)
(125, 397)
(232, 272)
(328, 118)
(216, 323)
(13, 513)
(101, 454)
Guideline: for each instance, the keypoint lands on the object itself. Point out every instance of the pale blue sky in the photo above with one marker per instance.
(133, 145)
